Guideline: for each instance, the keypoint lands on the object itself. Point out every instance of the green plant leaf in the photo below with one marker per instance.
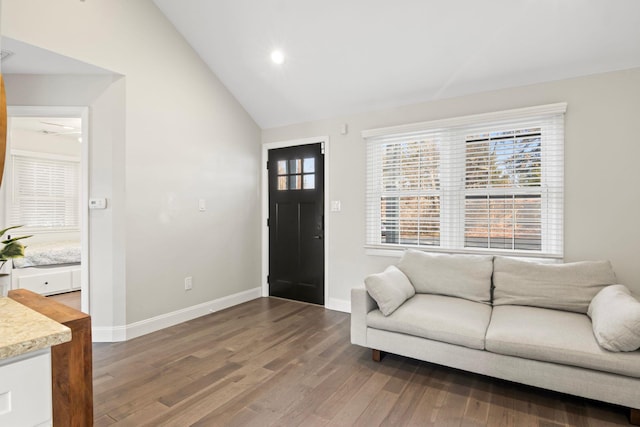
(12, 247)
(12, 250)
(8, 228)
(13, 239)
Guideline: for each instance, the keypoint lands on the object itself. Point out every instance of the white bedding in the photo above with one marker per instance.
(51, 253)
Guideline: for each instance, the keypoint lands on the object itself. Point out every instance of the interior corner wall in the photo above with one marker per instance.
(602, 200)
(104, 95)
(186, 138)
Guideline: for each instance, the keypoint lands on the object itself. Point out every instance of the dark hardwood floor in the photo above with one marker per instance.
(70, 299)
(271, 362)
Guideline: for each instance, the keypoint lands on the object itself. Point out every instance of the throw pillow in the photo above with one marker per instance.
(569, 287)
(615, 315)
(462, 276)
(389, 289)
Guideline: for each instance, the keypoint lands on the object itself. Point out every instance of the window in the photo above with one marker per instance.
(297, 174)
(45, 192)
(487, 183)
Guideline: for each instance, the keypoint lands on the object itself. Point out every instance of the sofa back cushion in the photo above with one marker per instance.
(569, 287)
(463, 276)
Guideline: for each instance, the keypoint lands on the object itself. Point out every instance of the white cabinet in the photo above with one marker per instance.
(25, 390)
(45, 284)
(5, 277)
(47, 281)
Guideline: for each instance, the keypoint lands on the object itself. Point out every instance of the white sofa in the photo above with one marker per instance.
(521, 321)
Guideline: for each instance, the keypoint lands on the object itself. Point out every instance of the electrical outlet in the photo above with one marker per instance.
(188, 283)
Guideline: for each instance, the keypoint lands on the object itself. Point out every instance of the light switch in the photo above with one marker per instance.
(5, 403)
(202, 205)
(336, 206)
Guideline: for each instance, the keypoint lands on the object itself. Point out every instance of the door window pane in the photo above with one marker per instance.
(282, 167)
(295, 166)
(309, 181)
(295, 182)
(309, 165)
(282, 183)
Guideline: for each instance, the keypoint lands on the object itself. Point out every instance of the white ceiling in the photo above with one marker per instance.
(359, 55)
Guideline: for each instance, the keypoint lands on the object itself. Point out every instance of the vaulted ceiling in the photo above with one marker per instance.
(353, 56)
(343, 57)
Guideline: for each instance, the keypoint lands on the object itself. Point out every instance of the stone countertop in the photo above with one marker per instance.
(23, 330)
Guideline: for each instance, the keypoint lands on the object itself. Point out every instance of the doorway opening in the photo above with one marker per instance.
(46, 191)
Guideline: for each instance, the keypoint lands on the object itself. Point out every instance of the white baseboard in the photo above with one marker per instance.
(338, 305)
(108, 334)
(143, 327)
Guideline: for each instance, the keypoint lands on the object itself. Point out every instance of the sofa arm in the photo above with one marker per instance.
(361, 304)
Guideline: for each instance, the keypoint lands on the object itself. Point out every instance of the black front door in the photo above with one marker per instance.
(296, 223)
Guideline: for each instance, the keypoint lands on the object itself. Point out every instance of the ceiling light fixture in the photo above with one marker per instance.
(277, 56)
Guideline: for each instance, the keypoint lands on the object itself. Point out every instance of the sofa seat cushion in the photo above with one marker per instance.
(437, 317)
(554, 336)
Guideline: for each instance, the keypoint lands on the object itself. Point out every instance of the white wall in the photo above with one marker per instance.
(602, 200)
(105, 97)
(184, 138)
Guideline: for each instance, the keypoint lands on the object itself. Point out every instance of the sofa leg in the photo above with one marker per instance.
(376, 355)
(634, 416)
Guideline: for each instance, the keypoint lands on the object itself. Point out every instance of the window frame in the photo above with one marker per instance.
(452, 176)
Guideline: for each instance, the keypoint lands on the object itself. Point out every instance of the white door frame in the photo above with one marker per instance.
(324, 140)
(83, 114)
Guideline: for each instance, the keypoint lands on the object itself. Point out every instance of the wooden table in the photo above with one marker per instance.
(71, 362)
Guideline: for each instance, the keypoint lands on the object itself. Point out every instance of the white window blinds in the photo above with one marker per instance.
(45, 193)
(487, 183)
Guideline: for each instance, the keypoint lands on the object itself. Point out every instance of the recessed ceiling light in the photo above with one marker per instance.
(277, 56)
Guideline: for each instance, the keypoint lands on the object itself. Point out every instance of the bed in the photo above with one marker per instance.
(48, 268)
